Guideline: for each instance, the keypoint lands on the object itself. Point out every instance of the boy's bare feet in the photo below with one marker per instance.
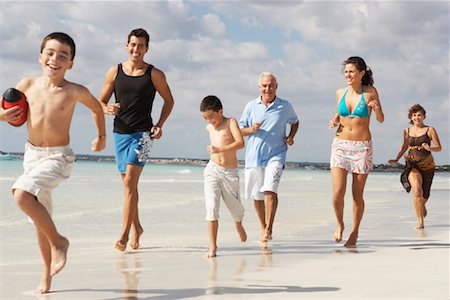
(241, 231)
(337, 236)
(211, 253)
(352, 239)
(134, 244)
(59, 256)
(44, 285)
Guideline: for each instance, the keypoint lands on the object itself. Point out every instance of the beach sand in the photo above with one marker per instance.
(393, 260)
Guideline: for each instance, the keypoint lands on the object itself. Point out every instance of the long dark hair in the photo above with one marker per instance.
(360, 64)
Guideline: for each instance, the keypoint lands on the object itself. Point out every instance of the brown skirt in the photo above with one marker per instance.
(426, 168)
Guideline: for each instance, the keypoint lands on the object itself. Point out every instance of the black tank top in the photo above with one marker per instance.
(415, 143)
(135, 95)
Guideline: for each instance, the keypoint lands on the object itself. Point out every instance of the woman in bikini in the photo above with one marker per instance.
(419, 169)
(351, 150)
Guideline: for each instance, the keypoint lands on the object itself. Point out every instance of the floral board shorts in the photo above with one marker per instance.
(352, 156)
(132, 148)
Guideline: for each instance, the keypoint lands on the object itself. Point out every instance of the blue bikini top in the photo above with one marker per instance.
(360, 111)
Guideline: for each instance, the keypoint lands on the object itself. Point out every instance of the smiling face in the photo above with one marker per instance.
(55, 58)
(417, 118)
(352, 75)
(214, 118)
(137, 48)
(268, 88)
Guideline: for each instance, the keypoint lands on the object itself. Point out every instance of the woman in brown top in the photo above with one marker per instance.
(419, 170)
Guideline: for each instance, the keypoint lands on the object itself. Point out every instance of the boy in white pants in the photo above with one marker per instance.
(221, 174)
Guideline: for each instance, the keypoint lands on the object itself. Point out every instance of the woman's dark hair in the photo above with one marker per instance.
(360, 64)
(413, 109)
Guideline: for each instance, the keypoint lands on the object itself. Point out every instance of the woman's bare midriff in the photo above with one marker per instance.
(354, 129)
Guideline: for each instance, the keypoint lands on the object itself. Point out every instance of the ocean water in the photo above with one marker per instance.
(170, 263)
(88, 207)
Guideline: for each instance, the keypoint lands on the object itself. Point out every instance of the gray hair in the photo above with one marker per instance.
(267, 74)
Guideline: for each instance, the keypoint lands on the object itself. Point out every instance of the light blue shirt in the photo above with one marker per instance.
(268, 143)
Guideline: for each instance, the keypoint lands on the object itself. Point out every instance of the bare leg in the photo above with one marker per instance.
(339, 182)
(213, 227)
(130, 183)
(425, 212)
(358, 184)
(137, 229)
(415, 179)
(261, 213)
(241, 231)
(271, 209)
(44, 224)
(44, 246)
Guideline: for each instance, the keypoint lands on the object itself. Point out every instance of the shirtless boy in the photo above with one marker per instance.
(221, 174)
(48, 157)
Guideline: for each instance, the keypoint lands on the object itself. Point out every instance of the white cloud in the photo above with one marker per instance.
(299, 53)
(220, 47)
(214, 25)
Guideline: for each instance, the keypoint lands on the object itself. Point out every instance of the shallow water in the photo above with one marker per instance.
(88, 206)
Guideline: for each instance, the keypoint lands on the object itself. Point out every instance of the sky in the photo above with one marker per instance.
(220, 48)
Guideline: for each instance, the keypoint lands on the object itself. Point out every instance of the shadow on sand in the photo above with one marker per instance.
(168, 294)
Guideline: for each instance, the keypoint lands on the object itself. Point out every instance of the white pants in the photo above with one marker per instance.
(263, 179)
(222, 183)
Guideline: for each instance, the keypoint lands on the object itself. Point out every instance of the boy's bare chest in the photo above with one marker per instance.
(221, 136)
(59, 102)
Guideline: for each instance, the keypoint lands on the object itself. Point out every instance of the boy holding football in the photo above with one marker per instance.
(48, 157)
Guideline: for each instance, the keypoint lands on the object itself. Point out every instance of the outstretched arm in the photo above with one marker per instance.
(402, 149)
(160, 83)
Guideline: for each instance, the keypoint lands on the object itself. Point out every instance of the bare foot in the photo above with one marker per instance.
(59, 256)
(420, 226)
(211, 253)
(134, 244)
(266, 250)
(44, 285)
(241, 232)
(351, 242)
(337, 236)
(266, 236)
(120, 245)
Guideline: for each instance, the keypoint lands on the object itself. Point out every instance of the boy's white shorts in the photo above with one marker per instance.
(44, 169)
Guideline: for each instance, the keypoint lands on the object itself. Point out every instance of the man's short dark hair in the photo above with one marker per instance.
(139, 32)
